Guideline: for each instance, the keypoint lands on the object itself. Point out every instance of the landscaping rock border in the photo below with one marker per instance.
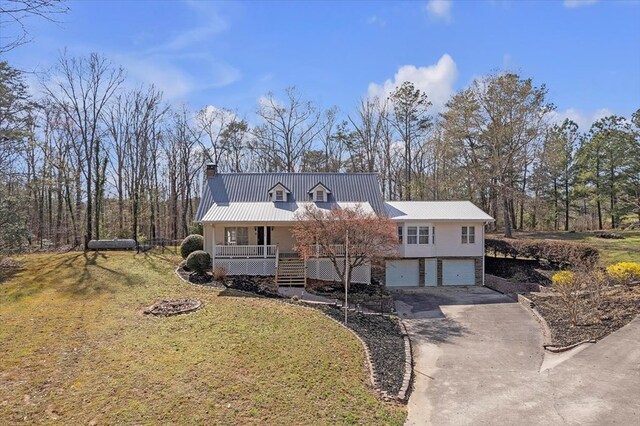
(405, 390)
(168, 308)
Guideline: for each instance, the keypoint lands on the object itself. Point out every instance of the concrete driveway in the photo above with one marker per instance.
(479, 360)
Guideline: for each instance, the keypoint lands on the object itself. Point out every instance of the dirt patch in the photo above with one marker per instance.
(384, 338)
(166, 308)
(598, 316)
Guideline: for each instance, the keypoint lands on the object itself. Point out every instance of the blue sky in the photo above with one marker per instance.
(230, 54)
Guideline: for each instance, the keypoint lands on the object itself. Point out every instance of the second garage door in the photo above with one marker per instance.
(402, 273)
(458, 272)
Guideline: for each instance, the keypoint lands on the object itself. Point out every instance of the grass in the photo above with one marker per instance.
(611, 251)
(75, 349)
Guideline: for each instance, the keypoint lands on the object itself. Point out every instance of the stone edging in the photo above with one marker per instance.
(530, 306)
(403, 395)
(196, 284)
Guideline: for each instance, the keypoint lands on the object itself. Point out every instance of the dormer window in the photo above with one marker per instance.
(320, 193)
(278, 193)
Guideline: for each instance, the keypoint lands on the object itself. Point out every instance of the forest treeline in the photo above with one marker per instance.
(91, 157)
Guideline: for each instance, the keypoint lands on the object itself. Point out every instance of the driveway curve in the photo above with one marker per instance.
(478, 358)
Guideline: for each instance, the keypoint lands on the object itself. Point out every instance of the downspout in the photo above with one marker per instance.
(483, 250)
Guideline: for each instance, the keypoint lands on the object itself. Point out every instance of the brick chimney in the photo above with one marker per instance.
(212, 170)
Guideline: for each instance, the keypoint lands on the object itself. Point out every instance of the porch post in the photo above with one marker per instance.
(264, 241)
(213, 246)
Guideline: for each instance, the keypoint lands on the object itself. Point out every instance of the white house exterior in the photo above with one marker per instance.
(247, 220)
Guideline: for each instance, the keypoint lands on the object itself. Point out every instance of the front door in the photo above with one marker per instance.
(261, 235)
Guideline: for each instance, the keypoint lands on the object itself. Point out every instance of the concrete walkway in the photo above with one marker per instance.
(478, 357)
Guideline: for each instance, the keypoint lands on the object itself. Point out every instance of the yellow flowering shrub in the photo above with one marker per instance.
(624, 272)
(564, 279)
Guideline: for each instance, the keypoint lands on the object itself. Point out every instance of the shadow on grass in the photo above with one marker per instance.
(76, 269)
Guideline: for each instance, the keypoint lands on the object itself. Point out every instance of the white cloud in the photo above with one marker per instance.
(376, 20)
(583, 119)
(169, 74)
(572, 4)
(439, 9)
(435, 80)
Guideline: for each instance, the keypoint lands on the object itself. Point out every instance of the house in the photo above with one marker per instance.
(247, 220)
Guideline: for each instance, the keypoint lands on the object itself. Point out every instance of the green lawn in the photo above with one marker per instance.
(75, 349)
(611, 251)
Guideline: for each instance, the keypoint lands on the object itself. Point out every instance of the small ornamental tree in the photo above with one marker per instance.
(364, 236)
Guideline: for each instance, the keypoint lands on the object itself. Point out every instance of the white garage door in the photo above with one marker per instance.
(458, 272)
(402, 273)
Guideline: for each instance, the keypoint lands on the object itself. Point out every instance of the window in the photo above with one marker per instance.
(319, 195)
(412, 235)
(468, 235)
(238, 236)
(423, 235)
(400, 234)
(279, 195)
(433, 235)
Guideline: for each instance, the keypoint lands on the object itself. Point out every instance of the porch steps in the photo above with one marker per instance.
(291, 272)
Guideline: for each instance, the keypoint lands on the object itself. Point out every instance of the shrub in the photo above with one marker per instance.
(190, 244)
(566, 284)
(624, 272)
(199, 262)
(558, 252)
(219, 273)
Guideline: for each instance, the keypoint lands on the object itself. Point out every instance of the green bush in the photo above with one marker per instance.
(562, 253)
(190, 244)
(199, 262)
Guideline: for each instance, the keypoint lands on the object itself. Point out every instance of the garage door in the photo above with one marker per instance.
(402, 273)
(458, 272)
(430, 272)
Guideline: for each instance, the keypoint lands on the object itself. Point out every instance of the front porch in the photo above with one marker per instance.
(258, 249)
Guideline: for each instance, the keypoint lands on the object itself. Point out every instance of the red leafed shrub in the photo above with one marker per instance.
(564, 253)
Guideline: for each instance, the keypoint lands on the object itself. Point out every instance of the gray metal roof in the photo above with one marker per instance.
(224, 189)
(269, 211)
(436, 211)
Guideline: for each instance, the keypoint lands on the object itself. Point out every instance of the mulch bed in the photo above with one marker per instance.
(262, 285)
(598, 317)
(520, 270)
(166, 308)
(374, 297)
(383, 336)
(206, 280)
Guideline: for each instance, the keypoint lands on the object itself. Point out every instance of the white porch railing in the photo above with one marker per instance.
(246, 251)
(319, 251)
